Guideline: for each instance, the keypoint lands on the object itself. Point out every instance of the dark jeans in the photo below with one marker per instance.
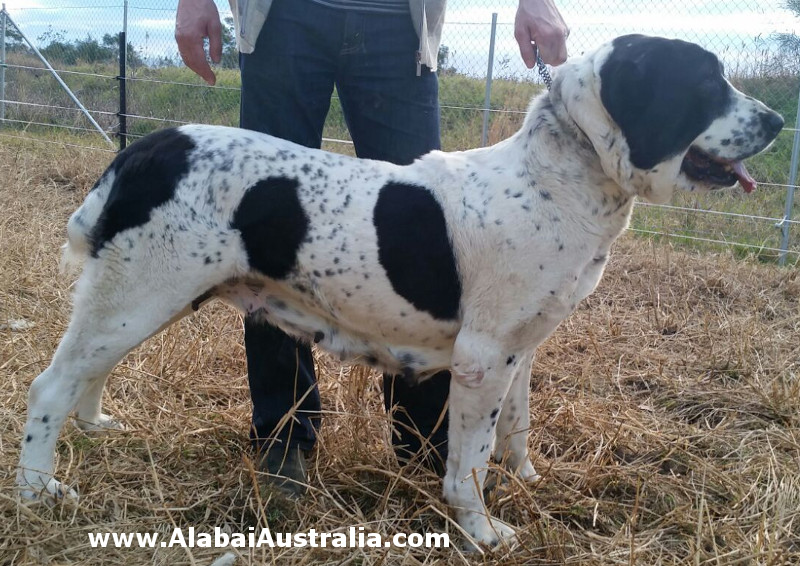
(392, 114)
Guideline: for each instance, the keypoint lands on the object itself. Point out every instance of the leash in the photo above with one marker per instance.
(543, 72)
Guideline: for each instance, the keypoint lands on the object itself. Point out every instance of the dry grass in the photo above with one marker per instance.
(666, 419)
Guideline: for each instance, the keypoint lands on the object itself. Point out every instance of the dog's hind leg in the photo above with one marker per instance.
(514, 423)
(88, 414)
(88, 411)
(107, 322)
(80, 365)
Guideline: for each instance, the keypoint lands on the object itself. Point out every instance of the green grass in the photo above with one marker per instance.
(161, 97)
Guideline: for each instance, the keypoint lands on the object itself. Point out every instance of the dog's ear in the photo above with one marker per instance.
(624, 91)
(626, 95)
(627, 92)
(649, 87)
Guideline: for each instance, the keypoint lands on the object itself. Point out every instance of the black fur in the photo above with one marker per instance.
(414, 249)
(145, 177)
(662, 93)
(273, 225)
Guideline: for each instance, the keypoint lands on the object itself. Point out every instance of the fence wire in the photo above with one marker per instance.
(79, 38)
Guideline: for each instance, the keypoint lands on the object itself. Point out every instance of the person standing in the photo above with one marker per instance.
(381, 57)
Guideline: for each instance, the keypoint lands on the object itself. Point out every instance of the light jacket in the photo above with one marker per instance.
(427, 15)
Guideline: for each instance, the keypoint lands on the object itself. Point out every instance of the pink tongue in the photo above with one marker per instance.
(747, 182)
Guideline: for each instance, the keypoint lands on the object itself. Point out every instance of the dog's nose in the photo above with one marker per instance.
(772, 122)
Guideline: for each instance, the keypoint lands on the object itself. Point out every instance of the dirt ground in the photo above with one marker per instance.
(665, 419)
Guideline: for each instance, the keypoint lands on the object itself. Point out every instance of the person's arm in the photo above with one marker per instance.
(196, 20)
(540, 22)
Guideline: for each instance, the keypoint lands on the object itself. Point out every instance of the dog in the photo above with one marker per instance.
(464, 260)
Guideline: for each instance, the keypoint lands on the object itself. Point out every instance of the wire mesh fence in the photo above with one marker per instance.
(80, 40)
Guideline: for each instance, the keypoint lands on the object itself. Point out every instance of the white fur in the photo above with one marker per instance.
(531, 220)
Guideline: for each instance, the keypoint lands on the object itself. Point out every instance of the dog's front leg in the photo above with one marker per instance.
(514, 424)
(479, 386)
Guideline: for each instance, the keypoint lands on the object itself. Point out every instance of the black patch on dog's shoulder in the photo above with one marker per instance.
(414, 249)
(662, 93)
(273, 225)
(145, 177)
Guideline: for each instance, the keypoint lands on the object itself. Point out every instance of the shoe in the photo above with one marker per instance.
(284, 469)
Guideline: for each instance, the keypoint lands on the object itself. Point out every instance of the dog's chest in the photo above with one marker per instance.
(530, 254)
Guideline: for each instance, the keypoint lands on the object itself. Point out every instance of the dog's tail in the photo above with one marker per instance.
(82, 224)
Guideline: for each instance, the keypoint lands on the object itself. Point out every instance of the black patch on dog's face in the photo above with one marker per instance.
(273, 225)
(146, 174)
(662, 93)
(414, 249)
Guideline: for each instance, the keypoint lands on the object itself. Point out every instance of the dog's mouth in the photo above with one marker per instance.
(701, 166)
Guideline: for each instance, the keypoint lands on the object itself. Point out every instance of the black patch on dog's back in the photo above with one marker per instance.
(273, 225)
(414, 249)
(145, 177)
(662, 93)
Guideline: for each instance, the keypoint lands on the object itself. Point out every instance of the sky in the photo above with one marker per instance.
(738, 30)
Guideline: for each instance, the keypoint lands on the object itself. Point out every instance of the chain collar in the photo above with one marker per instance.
(543, 72)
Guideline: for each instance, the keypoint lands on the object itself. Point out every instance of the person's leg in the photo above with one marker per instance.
(287, 82)
(419, 429)
(280, 372)
(393, 115)
(286, 90)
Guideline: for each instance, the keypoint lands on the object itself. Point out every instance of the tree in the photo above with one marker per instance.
(14, 40)
(230, 53)
(88, 50)
(443, 61)
(57, 48)
(132, 57)
(789, 43)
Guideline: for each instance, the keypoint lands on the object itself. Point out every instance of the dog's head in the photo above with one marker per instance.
(661, 115)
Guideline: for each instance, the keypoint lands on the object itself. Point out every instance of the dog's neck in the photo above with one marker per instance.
(553, 102)
(552, 139)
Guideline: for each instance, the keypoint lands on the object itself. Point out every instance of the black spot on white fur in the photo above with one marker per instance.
(145, 177)
(662, 93)
(273, 225)
(414, 249)
(277, 216)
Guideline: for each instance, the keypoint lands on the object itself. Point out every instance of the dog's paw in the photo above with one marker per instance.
(525, 471)
(103, 423)
(528, 473)
(49, 493)
(487, 532)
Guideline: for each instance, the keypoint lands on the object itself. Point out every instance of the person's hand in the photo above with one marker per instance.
(540, 22)
(196, 20)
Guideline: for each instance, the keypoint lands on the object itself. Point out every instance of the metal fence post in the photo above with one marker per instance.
(3, 64)
(787, 214)
(122, 130)
(485, 132)
(122, 78)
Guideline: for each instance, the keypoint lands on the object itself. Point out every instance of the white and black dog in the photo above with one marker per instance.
(465, 260)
